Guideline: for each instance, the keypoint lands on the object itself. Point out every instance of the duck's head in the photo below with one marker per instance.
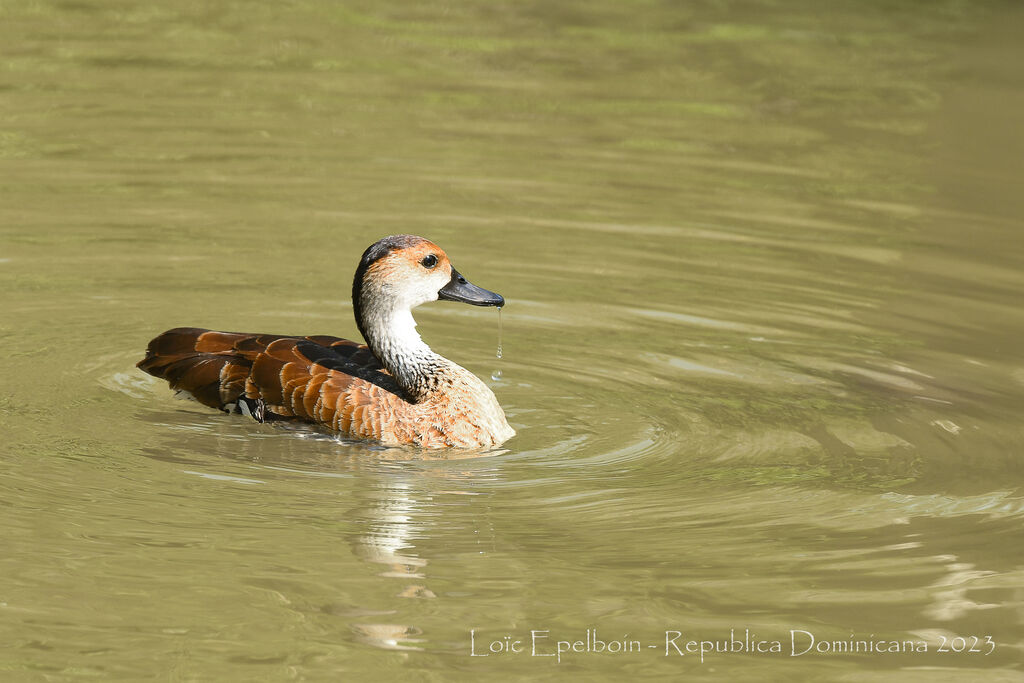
(401, 272)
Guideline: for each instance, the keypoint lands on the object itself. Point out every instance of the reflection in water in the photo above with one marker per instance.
(396, 515)
(391, 531)
(951, 601)
(396, 511)
(388, 636)
(388, 540)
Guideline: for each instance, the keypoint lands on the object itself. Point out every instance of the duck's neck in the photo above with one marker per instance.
(391, 335)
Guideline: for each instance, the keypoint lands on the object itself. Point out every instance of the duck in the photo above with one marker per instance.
(393, 389)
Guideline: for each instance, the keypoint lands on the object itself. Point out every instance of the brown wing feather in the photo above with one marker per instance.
(322, 379)
(201, 362)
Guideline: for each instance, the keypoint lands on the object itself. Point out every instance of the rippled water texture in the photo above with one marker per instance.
(762, 346)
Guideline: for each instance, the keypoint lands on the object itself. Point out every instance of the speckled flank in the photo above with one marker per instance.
(395, 390)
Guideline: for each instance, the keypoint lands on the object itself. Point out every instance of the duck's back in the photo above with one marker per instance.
(327, 380)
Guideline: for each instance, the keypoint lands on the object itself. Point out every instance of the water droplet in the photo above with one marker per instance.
(496, 375)
(499, 333)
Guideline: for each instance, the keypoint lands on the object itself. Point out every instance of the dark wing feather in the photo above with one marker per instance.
(304, 377)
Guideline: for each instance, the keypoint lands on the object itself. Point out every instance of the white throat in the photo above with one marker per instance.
(392, 336)
(396, 329)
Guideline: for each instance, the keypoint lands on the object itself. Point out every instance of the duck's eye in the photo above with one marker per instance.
(428, 261)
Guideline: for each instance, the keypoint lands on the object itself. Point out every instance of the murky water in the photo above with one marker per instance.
(762, 345)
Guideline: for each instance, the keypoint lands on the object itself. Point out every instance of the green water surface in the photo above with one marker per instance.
(762, 347)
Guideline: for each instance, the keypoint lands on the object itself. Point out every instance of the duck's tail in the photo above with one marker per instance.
(211, 367)
(267, 376)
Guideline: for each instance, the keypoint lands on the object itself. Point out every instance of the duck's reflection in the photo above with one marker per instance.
(392, 516)
(949, 593)
(388, 636)
(399, 517)
(389, 540)
(393, 524)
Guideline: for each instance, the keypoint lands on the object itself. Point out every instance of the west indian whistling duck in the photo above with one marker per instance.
(393, 389)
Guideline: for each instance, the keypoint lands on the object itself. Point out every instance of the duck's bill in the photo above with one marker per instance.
(461, 289)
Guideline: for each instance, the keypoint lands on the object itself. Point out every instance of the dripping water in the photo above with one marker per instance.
(499, 354)
(496, 375)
